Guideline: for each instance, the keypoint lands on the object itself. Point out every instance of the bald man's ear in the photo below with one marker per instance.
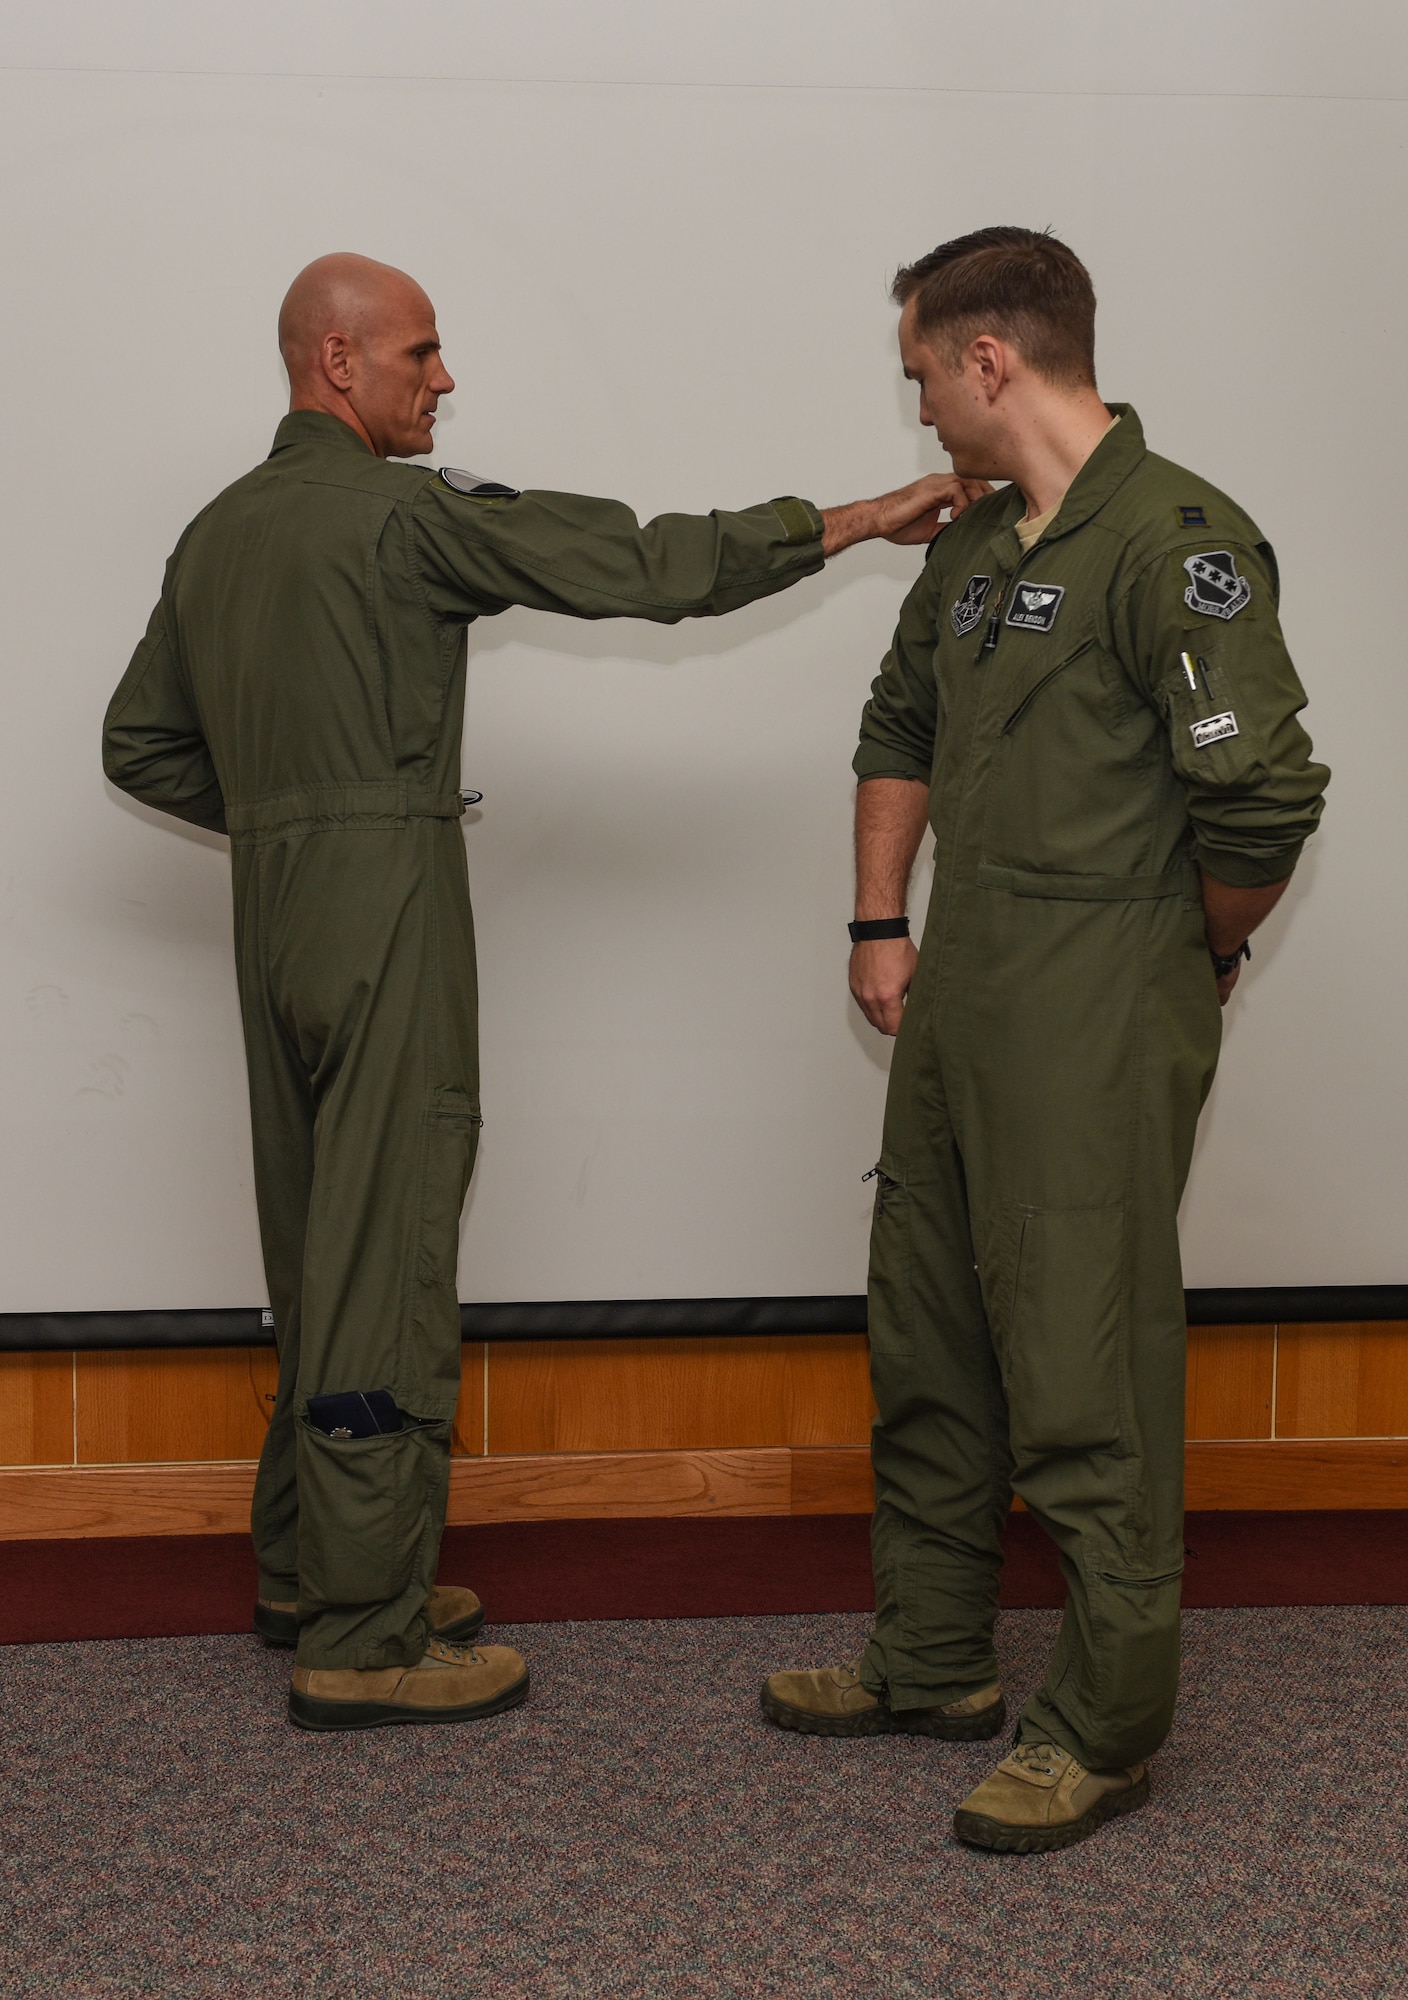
(336, 357)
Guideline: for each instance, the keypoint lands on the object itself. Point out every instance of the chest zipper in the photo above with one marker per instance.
(989, 644)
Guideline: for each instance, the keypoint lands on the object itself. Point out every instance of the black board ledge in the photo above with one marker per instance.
(643, 1319)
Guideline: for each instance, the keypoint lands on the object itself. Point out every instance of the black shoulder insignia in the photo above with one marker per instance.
(1215, 588)
(1193, 517)
(474, 486)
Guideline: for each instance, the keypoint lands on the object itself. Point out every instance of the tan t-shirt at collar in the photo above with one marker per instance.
(1029, 533)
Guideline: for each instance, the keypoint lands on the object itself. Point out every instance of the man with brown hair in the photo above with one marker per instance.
(1089, 701)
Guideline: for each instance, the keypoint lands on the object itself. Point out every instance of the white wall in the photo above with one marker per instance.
(659, 238)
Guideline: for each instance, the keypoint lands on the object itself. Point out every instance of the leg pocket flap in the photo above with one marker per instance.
(1063, 1350)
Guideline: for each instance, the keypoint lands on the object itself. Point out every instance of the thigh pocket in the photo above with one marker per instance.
(362, 1510)
(451, 1141)
(1061, 1346)
(891, 1302)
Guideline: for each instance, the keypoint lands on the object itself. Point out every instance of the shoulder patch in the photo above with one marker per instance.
(1214, 587)
(1034, 606)
(1193, 517)
(472, 484)
(967, 609)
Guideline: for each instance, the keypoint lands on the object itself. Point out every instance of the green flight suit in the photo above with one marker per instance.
(301, 687)
(1026, 1307)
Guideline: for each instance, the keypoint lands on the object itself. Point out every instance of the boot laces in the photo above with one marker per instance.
(460, 1656)
(1039, 1758)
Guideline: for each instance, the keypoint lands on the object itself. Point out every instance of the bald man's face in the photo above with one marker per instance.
(392, 372)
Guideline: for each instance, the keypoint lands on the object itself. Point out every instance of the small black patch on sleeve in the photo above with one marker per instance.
(1193, 517)
(476, 488)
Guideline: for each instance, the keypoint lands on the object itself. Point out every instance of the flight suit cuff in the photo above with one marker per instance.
(1240, 870)
(802, 521)
(877, 760)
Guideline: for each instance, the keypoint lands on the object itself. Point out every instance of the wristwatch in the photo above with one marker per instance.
(1223, 966)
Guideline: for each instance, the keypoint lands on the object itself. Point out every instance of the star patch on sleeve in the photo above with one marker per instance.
(1214, 587)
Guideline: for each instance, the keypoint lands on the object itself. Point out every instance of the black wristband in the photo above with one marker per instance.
(1222, 966)
(878, 927)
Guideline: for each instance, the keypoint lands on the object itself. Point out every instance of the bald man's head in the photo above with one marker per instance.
(359, 341)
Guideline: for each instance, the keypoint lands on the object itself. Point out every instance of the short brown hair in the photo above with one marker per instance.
(1022, 284)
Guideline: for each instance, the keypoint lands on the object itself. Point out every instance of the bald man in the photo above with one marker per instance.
(301, 688)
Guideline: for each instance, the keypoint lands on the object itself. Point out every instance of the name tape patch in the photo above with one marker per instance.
(1214, 587)
(1214, 729)
(1034, 606)
(967, 609)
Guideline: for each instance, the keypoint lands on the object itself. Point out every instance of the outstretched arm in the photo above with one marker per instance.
(590, 558)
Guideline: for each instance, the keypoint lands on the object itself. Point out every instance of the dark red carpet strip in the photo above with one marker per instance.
(167, 1586)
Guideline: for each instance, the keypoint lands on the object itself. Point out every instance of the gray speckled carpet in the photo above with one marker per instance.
(637, 1829)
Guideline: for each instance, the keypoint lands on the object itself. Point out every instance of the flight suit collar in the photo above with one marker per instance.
(316, 427)
(1098, 480)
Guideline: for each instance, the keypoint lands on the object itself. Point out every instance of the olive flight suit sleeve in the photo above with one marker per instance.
(1204, 635)
(899, 724)
(153, 746)
(591, 558)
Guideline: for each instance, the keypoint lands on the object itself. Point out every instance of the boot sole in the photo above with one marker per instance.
(977, 1830)
(884, 1722)
(280, 1628)
(312, 1711)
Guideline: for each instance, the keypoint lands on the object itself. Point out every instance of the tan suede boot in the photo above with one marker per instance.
(449, 1684)
(455, 1614)
(833, 1701)
(1040, 1798)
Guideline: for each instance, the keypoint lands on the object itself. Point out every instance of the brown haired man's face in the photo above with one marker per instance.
(952, 403)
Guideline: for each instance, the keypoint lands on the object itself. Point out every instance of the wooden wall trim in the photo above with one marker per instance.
(606, 1485)
(1296, 1475)
(204, 1499)
(67, 1502)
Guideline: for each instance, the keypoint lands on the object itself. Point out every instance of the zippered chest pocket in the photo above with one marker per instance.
(1018, 697)
(1066, 781)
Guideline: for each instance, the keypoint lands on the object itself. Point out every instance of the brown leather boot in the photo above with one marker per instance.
(449, 1684)
(455, 1614)
(1040, 1798)
(833, 1701)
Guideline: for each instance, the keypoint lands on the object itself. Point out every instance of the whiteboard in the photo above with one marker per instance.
(659, 240)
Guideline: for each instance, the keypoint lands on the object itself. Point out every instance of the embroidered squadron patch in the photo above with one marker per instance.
(1214, 588)
(1034, 606)
(1215, 729)
(968, 609)
(477, 488)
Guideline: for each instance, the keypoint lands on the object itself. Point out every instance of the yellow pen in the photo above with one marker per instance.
(1188, 669)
